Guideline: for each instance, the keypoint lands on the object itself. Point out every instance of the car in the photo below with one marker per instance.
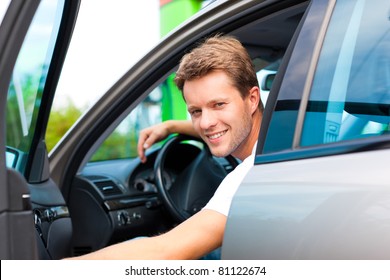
(318, 188)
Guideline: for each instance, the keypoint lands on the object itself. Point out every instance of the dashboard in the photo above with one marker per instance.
(118, 200)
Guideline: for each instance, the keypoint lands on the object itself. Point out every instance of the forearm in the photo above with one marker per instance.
(136, 249)
(193, 238)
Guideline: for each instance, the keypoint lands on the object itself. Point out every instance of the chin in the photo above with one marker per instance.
(219, 153)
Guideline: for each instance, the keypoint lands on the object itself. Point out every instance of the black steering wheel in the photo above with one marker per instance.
(197, 175)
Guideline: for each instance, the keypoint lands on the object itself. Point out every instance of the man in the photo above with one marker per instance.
(220, 88)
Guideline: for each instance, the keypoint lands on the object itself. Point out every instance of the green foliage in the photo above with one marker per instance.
(61, 119)
(20, 110)
(14, 122)
(117, 145)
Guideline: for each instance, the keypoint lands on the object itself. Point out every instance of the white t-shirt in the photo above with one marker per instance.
(223, 196)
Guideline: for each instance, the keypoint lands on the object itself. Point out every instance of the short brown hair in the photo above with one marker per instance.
(220, 52)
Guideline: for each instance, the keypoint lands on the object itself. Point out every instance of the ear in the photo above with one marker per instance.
(254, 98)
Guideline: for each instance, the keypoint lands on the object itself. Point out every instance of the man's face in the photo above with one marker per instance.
(219, 114)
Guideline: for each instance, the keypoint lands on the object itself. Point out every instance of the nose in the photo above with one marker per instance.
(207, 120)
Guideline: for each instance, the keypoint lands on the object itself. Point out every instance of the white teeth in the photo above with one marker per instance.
(217, 135)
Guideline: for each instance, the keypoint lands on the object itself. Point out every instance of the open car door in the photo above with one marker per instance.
(34, 37)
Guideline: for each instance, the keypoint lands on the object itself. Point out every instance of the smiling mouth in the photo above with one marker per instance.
(216, 135)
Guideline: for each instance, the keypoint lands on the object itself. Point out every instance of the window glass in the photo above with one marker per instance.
(350, 95)
(28, 80)
(122, 143)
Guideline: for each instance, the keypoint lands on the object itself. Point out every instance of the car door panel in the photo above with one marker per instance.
(36, 226)
(17, 230)
(17, 222)
(323, 193)
(311, 214)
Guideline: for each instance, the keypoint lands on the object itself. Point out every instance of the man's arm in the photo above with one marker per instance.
(158, 132)
(192, 239)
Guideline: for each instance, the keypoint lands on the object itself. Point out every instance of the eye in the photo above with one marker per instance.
(220, 104)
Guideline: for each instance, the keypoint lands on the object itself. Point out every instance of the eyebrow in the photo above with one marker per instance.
(190, 108)
(218, 100)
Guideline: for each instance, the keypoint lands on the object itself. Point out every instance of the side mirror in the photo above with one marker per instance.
(11, 157)
(267, 81)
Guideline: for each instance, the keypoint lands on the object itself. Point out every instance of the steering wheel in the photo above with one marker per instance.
(198, 175)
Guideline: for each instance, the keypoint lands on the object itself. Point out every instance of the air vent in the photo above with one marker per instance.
(108, 188)
(95, 177)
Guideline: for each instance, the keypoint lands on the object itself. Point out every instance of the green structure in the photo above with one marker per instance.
(172, 13)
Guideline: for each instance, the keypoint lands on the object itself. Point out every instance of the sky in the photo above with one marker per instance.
(3, 6)
(109, 37)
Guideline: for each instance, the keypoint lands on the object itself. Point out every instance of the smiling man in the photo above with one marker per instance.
(220, 88)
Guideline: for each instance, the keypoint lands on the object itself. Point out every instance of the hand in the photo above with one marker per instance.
(151, 135)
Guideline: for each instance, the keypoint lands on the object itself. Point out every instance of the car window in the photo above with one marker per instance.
(122, 142)
(28, 80)
(350, 94)
(164, 102)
